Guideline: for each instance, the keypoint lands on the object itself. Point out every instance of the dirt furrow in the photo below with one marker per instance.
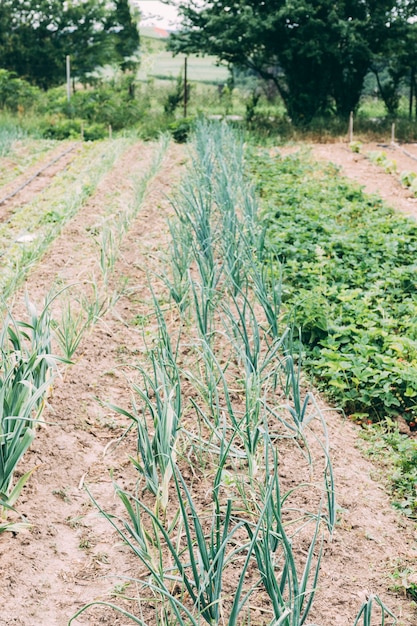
(36, 178)
(372, 177)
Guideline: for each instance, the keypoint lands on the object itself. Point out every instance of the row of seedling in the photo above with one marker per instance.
(116, 225)
(407, 178)
(33, 227)
(27, 365)
(85, 303)
(218, 409)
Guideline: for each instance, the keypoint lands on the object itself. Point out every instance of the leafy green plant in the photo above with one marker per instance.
(407, 178)
(181, 129)
(355, 146)
(398, 453)
(341, 254)
(16, 94)
(380, 158)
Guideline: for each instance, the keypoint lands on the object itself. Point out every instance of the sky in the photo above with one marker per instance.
(157, 14)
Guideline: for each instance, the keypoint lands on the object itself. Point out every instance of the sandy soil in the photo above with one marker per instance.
(70, 556)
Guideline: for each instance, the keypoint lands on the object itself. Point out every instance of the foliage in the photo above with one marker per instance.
(16, 94)
(380, 157)
(317, 54)
(349, 284)
(398, 453)
(36, 36)
(9, 133)
(56, 127)
(181, 129)
(395, 67)
(125, 35)
(175, 97)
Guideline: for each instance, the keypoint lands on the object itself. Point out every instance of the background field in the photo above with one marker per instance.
(158, 62)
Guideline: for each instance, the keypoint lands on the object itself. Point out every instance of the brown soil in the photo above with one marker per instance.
(372, 177)
(36, 178)
(71, 556)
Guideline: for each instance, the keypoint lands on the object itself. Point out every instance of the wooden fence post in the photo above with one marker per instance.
(351, 127)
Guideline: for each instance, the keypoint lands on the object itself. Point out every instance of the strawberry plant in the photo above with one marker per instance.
(349, 283)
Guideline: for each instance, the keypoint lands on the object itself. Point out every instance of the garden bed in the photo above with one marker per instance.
(71, 556)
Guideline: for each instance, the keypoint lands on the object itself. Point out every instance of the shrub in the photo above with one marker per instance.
(63, 128)
(180, 129)
(16, 94)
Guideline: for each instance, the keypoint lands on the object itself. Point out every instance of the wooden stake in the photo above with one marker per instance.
(185, 87)
(351, 127)
(393, 133)
(68, 63)
(110, 131)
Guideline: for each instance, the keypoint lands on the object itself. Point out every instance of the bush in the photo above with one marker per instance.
(180, 129)
(107, 104)
(63, 128)
(16, 94)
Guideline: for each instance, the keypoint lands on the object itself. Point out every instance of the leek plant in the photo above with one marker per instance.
(205, 301)
(26, 375)
(365, 613)
(289, 584)
(109, 252)
(267, 288)
(245, 332)
(70, 330)
(242, 327)
(157, 419)
(205, 381)
(193, 208)
(180, 260)
(95, 301)
(247, 427)
(230, 246)
(157, 424)
(200, 565)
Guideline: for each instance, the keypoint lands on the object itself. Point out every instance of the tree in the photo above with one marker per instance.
(36, 36)
(126, 35)
(396, 67)
(317, 52)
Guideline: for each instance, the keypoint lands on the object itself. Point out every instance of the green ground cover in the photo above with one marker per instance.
(349, 284)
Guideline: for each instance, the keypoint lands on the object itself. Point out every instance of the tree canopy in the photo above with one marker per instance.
(36, 36)
(317, 52)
